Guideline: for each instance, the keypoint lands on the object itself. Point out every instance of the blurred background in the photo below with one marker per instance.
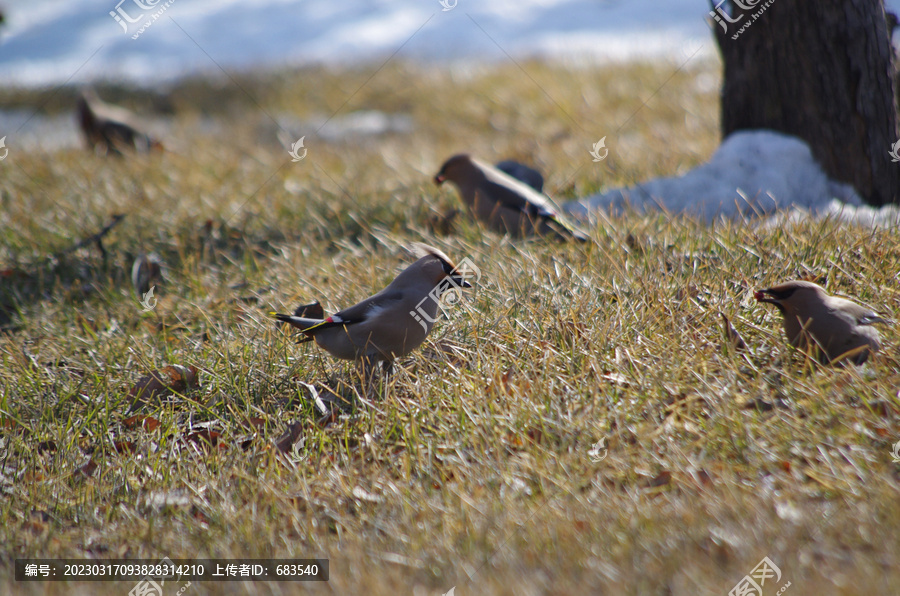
(49, 42)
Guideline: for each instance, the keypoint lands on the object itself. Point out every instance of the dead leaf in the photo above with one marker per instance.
(148, 423)
(286, 442)
(123, 447)
(166, 381)
(87, 470)
(206, 437)
(661, 479)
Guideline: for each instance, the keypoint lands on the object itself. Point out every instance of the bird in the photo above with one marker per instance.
(109, 129)
(834, 328)
(504, 203)
(393, 322)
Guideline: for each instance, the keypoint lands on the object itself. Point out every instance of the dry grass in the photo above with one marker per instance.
(470, 469)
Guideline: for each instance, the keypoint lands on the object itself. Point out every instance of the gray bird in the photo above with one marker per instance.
(393, 322)
(504, 203)
(834, 328)
(110, 129)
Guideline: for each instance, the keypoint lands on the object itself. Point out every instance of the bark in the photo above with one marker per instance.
(821, 71)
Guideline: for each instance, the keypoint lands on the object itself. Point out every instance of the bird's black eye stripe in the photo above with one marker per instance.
(783, 294)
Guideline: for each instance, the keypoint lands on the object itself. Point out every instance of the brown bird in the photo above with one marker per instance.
(833, 328)
(506, 204)
(393, 322)
(109, 129)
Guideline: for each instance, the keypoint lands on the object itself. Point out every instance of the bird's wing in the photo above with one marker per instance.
(515, 194)
(861, 315)
(367, 308)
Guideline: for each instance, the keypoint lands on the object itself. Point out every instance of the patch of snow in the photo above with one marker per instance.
(753, 173)
(886, 216)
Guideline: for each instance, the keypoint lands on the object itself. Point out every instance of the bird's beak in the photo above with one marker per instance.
(762, 296)
(439, 179)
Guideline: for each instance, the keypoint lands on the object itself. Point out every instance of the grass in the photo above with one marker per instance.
(473, 466)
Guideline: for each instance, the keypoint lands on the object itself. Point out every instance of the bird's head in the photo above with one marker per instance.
(454, 169)
(438, 267)
(792, 295)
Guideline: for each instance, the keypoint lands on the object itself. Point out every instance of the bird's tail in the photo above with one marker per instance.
(307, 326)
(563, 230)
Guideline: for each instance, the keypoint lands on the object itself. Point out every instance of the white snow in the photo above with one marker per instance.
(753, 173)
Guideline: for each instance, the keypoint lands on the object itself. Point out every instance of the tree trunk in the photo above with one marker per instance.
(821, 71)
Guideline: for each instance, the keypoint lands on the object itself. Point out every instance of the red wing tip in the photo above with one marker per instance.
(759, 295)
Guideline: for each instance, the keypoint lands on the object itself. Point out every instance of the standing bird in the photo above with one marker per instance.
(835, 328)
(393, 322)
(504, 203)
(109, 129)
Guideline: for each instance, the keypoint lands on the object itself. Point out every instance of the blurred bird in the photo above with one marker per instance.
(504, 203)
(835, 328)
(109, 129)
(393, 322)
(144, 271)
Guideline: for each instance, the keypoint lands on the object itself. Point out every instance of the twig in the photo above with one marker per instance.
(96, 238)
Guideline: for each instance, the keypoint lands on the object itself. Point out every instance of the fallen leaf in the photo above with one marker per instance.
(209, 437)
(148, 423)
(286, 442)
(87, 469)
(171, 379)
(661, 479)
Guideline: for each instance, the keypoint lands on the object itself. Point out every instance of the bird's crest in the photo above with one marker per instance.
(421, 249)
